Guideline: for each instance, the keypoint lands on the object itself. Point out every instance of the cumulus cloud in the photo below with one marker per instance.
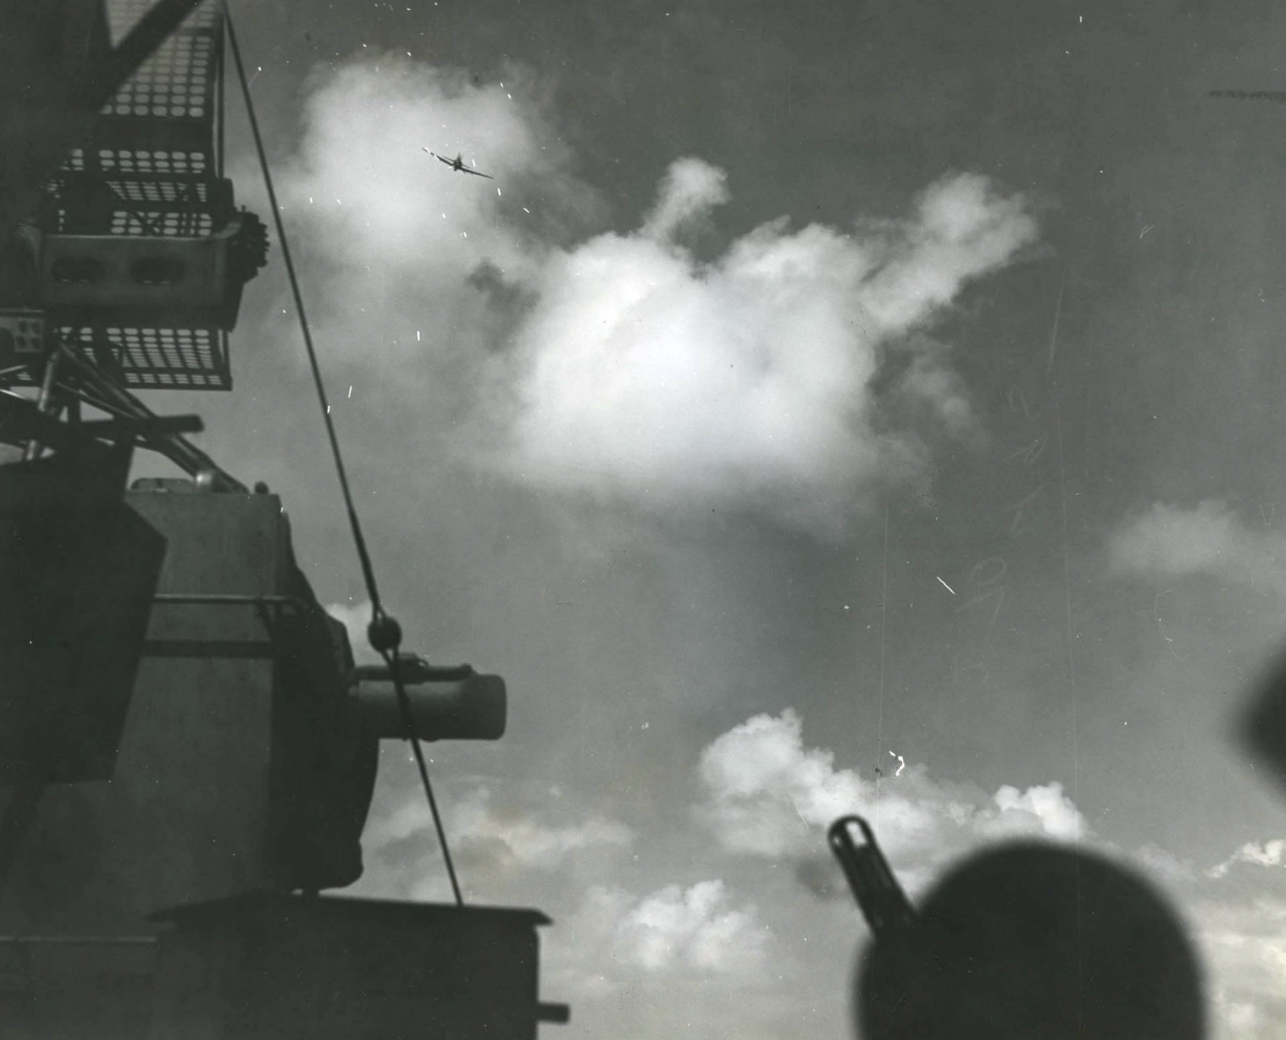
(623, 367)
(675, 930)
(1173, 541)
(696, 927)
(643, 374)
(766, 794)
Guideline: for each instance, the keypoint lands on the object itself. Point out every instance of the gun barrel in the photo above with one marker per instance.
(875, 887)
(474, 707)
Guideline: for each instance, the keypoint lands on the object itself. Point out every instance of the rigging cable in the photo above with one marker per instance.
(384, 633)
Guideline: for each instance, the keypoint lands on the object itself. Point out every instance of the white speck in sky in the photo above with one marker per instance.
(525, 209)
(350, 391)
(901, 762)
(946, 586)
(497, 191)
(417, 335)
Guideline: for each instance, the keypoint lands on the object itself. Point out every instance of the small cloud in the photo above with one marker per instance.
(355, 619)
(1261, 854)
(1210, 539)
(692, 187)
(673, 931)
(1044, 810)
(1171, 540)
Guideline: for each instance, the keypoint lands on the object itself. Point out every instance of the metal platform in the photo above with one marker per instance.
(150, 165)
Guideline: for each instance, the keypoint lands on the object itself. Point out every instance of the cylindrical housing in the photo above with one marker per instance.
(474, 707)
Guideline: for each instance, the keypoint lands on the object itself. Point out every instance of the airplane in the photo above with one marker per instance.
(458, 165)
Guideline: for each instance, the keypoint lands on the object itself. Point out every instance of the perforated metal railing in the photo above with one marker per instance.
(152, 167)
(164, 358)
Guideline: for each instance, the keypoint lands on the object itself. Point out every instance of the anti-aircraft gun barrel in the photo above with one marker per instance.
(453, 703)
(876, 889)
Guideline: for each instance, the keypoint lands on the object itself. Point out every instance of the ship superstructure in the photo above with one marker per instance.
(187, 749)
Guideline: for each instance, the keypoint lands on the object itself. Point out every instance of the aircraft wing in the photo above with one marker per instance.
(476, 173)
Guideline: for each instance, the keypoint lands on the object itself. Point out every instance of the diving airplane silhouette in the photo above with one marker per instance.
(458, 165)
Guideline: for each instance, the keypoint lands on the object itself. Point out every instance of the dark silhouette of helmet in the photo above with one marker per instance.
(1034, 942)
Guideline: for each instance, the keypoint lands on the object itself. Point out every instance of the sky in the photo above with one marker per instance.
(827, 407)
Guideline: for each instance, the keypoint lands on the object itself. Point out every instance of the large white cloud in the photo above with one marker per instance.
(644, 374)
(624, 367)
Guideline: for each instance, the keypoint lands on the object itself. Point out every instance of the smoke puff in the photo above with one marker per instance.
(412, 268)
(746, 382)
(691, 188)
(365, 182)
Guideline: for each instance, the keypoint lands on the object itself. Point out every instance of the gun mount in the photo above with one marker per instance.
(188, 750)
(1021, 940)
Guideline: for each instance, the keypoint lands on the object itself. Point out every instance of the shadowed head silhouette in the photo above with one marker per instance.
(1034, 942)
